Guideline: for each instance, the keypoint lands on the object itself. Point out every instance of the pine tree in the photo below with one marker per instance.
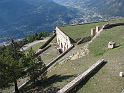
(36, 66)
(15, 65)
(12, 68)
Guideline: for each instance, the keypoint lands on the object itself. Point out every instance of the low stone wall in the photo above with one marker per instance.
(48, 41)
(83, 40)
(81, 77)
(42, 50)
(60, 56)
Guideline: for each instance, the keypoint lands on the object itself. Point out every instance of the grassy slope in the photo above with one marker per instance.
(99, 46)
(35, 47)
(107, 80)
(51, 53)
(80, 31)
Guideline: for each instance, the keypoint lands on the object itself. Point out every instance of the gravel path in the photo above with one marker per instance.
(29, 45)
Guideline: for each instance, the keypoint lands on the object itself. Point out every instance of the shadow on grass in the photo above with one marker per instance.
(85, 80)
(38, 89)
(84, 40)
(45, 86)
(53, 79)
(117, 46)
(109, 26)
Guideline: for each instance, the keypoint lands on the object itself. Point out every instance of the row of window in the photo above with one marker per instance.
(65, 45)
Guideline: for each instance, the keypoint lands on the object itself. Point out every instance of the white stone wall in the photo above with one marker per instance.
(63, 40)
(95, 31)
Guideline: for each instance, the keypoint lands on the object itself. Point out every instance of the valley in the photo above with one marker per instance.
(26, 17)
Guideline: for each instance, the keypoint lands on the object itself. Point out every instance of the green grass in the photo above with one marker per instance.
(37, 46)
(70, 68)
(50, 54)
(107, 80)
(99, 46)
(79, 31)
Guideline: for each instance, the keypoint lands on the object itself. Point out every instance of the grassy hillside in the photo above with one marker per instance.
(99, 46)
(79, 31)
(83, 30)
(107, 80)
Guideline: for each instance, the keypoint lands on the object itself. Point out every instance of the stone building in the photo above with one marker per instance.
(63, 40)
(111, 44)
(95, 31)
(68, 35)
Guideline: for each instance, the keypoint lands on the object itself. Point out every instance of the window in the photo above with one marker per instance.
(61, 45)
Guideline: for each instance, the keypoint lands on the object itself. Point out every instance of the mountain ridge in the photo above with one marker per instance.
(111, 7)
(30, 16)
(20, 18)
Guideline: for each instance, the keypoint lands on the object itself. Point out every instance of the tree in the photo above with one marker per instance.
(43, 34)
(12, 68)
(15, 65)
(36, 65)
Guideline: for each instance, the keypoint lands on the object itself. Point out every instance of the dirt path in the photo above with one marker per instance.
(29, 45)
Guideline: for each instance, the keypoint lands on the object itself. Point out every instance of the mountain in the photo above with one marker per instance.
(19, 18)
(80, 4)
(86, 14)
(103, 7)
(110, 7)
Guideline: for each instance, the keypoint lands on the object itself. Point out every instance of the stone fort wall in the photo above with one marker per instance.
(63, 40)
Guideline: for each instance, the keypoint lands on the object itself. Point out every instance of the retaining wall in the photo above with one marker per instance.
(60, 56)
(47, 67)
(48, 41)
(83, 40)
(42, 50)
(81, 77)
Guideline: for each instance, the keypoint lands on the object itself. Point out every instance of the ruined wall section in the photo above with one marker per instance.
(63, 40)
